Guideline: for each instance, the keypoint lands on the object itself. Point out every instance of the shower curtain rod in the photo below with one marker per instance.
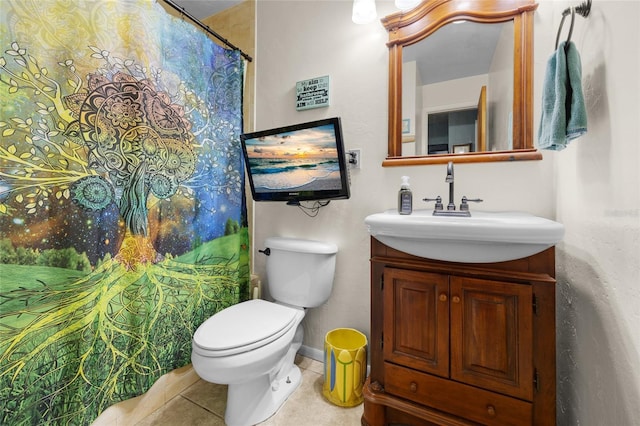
(207, 29)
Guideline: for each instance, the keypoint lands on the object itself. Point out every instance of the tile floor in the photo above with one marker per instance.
(203, 404)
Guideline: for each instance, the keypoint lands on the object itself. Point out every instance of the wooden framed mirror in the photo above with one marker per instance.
(501, 121)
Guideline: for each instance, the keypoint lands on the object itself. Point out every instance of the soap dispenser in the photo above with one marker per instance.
(405, 197)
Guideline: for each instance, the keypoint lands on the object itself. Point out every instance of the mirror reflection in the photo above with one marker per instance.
(457, 90)
(434, 122)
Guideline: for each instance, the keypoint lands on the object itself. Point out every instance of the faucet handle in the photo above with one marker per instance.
(464, 206)
(438, 201)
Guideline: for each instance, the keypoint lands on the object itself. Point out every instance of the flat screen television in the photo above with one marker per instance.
(300, 162)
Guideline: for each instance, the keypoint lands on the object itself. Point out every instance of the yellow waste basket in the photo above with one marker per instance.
(345, 366)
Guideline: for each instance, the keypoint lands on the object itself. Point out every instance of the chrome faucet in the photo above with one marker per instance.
(449, 180)
(451, 207)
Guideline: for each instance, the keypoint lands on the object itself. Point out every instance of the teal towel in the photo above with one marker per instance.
(564, 115)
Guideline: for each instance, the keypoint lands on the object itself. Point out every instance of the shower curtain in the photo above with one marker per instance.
(122, 210)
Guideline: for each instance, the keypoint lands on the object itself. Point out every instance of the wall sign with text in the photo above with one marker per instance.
(312, 93)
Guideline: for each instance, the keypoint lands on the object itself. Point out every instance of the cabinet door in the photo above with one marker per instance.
(492, 335)
(416, 320)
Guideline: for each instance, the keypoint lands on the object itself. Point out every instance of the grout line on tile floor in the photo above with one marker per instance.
(200, 405)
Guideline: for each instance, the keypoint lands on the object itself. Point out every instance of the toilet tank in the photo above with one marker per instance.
(300, 272)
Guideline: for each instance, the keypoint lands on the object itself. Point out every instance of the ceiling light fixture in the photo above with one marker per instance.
(364, 11)
(406, 4)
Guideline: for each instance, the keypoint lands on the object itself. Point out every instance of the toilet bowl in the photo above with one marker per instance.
(254, 354)
(251, 346)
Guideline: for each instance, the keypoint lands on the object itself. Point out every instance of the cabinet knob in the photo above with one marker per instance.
(456, 299)
(491, 410)
(413, 387)
(443, 297)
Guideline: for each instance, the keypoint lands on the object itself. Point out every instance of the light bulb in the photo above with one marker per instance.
(364, 11)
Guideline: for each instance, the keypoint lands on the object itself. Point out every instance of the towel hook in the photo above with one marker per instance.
(583, 10)
(564, 15)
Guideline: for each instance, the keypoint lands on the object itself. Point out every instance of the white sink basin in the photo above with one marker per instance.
(484, 237)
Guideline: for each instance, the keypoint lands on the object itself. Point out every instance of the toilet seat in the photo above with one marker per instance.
(244, 327)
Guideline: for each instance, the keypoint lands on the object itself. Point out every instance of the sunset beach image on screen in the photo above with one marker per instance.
(304, 161)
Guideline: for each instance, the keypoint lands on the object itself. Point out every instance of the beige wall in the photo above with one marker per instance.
(500, 92)
(597, 196)
(592, 186)
(297, 40)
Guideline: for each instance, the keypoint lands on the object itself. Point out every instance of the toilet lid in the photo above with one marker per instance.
(244, 326)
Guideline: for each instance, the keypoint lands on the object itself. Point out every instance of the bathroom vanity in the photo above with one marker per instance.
(457, 343)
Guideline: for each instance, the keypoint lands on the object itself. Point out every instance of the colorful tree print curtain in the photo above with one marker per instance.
(122, 211)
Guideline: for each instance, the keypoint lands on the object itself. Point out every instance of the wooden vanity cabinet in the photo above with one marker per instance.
(459, 344)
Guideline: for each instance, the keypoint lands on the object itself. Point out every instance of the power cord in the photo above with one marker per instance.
(310, 210)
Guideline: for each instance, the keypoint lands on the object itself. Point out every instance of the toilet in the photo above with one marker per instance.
(251, 346)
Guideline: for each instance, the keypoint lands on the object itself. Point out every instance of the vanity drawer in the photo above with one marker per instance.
(446, 395)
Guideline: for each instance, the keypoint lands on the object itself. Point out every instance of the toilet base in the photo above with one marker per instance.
(255, 401)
